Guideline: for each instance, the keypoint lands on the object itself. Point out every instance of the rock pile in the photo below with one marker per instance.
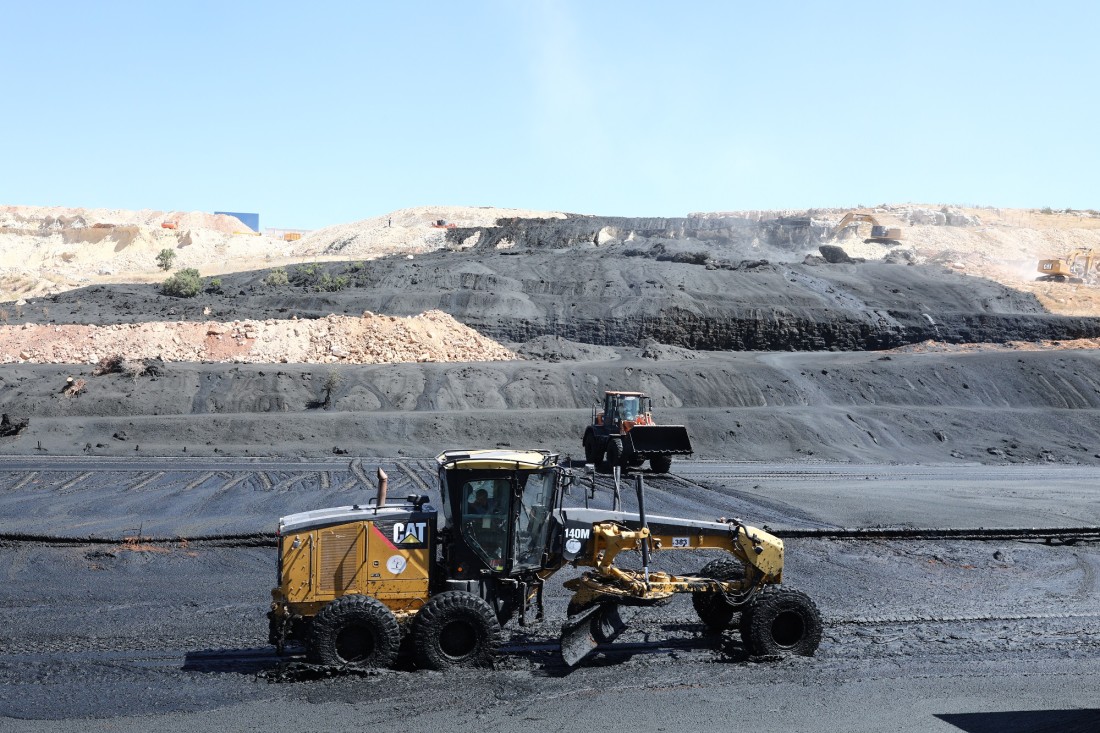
(371, 339)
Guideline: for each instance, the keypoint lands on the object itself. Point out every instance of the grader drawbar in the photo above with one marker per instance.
(358, 584)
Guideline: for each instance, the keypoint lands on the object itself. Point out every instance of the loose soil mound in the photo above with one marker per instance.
(371, 339)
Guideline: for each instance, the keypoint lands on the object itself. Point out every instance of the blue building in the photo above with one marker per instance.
(252, 221)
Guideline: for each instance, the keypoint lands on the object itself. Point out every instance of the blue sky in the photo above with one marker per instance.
(318, 113)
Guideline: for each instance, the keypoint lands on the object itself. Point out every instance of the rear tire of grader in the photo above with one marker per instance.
(714, 610)
(455, 629)
(354, 631)
(781, 621)
(660, 464)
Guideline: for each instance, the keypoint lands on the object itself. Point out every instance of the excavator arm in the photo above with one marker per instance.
(852, 216)
(879, 232)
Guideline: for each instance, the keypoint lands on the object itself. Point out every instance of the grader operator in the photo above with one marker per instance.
(355, 580)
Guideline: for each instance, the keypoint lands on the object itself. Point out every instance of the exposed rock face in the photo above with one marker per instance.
(12, 426)
(599, 231)
(944, 217)
(834, 255)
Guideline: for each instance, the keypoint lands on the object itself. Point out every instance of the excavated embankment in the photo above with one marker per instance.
(992, 407)
(607, 296)
(597, 303)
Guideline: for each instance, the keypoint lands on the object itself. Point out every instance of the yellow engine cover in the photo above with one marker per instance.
(385, 555)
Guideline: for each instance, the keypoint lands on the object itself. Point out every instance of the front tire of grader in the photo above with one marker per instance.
(714, 609)
(455, 629)
(781, 621)
(660, 464)
(354, 631)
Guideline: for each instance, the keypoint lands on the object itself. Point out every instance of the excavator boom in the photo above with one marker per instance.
(879, 232)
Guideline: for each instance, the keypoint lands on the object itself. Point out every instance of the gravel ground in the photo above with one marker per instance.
(920, 636)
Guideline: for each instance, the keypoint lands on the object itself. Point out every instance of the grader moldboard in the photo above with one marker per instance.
(355, 581)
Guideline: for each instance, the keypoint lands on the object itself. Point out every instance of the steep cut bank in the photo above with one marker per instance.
(615, 295)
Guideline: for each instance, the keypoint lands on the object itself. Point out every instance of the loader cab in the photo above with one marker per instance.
(497, 507)
(632, 408)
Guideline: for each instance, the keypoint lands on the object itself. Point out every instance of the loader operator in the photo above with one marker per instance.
(480, 504)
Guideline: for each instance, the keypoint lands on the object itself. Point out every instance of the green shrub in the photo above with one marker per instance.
(165, 259)
(214, 286)
(184, 284)
(308, 272)
(332, 381)
(276, 277)
(328, 284)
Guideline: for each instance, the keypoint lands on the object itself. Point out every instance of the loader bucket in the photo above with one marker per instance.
(581, 634)
(659, 439)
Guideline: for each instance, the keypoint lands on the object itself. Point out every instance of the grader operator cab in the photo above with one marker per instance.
(354, 581)
(625, 434)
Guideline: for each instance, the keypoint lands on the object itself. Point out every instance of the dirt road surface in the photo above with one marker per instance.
(920, 635)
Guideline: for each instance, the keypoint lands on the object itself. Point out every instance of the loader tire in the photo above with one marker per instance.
(592, 452)
(781, 621)
(660, 464)
(714, 609)
(354, 631)
(614, 452)
(455, 629)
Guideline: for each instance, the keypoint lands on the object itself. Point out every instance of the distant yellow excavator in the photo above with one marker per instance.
(879, 232)
(1076, 267)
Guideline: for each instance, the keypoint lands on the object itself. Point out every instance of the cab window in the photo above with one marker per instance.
(630, 408)
(532, 524)
(485, 525)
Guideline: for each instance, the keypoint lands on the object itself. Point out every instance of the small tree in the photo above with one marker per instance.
(184, 284)
(166, 258)
(332, 381)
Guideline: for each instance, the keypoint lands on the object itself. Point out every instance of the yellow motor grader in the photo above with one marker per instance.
(355, 582)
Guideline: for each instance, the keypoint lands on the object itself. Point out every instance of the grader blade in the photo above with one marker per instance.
(581, 634)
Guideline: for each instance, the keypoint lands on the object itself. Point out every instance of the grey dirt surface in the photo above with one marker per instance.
(98, 633)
